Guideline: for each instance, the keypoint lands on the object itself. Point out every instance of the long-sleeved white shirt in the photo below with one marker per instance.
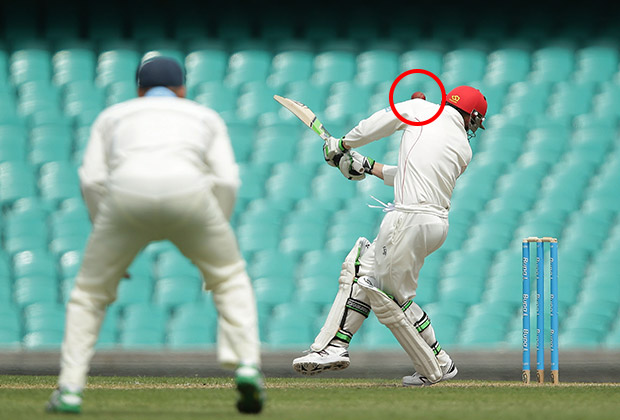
(159, 146)
(430, 159)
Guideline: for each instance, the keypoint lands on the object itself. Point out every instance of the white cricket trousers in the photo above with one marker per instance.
(397, 254)
(125, 223)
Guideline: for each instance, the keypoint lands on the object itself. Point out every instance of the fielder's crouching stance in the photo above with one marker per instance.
(383, 275)
(160, 167)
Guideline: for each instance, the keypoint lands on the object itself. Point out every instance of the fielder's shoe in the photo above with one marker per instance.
(418, 380)
(65, 400)
(250, 385)
(330, 358)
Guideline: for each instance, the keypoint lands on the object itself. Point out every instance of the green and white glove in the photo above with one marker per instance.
(355, 166)
(333, 149)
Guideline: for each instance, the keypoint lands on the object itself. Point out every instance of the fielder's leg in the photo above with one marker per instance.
(349, 310)
(112, 246)
(208, 240)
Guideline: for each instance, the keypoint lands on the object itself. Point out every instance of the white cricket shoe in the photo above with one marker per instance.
(330, 358)
(418, 380)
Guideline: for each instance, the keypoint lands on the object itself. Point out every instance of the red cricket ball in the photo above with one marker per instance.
(418, 95)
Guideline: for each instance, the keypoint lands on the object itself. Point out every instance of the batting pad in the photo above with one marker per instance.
(345, 281)
(392, 316)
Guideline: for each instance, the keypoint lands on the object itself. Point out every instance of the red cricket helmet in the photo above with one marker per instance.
(471, 101)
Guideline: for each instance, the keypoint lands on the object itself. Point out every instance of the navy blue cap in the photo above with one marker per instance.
(160, 71)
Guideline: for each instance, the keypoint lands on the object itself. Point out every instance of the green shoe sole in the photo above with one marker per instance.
(252, 396)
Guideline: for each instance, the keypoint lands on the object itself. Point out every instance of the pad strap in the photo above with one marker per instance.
(358, 306)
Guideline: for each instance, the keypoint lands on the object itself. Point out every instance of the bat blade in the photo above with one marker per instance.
(305, 114)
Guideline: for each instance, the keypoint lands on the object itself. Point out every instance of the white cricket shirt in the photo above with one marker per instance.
(159, 146)
(430, 159)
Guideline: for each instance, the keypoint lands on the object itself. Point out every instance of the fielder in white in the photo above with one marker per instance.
(383, 275)
(160, 167)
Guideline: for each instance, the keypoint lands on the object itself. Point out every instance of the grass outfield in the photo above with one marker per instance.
(23, 397)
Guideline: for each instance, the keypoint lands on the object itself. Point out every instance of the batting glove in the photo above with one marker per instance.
(333, 149)
(355, 166)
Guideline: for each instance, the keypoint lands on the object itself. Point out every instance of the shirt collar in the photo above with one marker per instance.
(159, 91)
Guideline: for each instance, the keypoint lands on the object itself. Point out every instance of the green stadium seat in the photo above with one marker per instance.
(275, 144)
(255, 99)
(485, 331)
(205, 66)
(342, 237)
(184, 338)
(262, 216)
(473, 263)
(526, 99)
(10, 319)
(462, 66)
(120, 91)
(134, 290)
(117, 65)
(13, 143)
(329, 184)
(30, 65)
(375, 66)
(35, 289)
(43, 340)
(170, 292)
(571, 98)
(446, 326)
(321, 267)
(144, 316)
(44, 317)
(248, 66)
(73, 64)
(273, 264)
(290, 325)
(152, 338)
(217, 96)
(252, 237)
(82, 96)
(613, 339)
(552, 64)
(347, 99)
(333, 66)
(34, 263)
(592, 144)
(200, 314)
(69, 264)
(173, 264)
(311, 94)
(596, 63)
(290, 180)
(318, 205)
(58, 181)
(376, 336)
(421, 58)
(290, 66)
(508, 65)
(303, 237)
(66, 287)
(579, 338)
(9, 339)
(606, 103)
(274, 290)
(463, 289)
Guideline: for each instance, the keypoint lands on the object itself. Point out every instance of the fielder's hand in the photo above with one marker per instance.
(333, 150)
(355, 166)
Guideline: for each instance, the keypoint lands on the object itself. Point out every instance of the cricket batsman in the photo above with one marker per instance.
(160, 167)
(383, 275)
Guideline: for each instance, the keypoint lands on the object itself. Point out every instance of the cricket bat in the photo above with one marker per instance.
(305, 114)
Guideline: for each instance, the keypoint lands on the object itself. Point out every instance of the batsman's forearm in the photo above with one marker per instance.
(377, 170)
